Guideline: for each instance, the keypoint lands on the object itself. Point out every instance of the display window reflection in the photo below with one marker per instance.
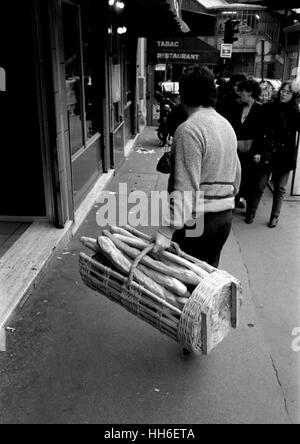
(90, 45)
(71, 31)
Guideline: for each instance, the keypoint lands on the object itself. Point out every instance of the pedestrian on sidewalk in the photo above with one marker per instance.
(246, 123)
(229, 105)
(204, 160)
(275, 150)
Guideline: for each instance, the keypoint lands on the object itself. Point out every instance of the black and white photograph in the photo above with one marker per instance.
(150, 215)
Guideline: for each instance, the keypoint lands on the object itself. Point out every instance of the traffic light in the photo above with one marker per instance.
(231, 28)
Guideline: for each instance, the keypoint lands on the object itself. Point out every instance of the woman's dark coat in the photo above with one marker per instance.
(248, 130)
(277, 135)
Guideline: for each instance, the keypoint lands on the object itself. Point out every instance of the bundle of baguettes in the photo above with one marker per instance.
(169, 276)
(179, 295)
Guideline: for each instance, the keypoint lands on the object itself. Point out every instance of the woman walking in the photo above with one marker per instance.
(246, 124)
(275, 150)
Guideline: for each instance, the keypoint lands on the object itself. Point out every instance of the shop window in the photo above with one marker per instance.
(90, 37)
(71, 30)
(116, 95)
(81, 46)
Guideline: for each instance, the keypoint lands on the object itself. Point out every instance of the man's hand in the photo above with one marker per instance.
(257, 158)
(161, 242)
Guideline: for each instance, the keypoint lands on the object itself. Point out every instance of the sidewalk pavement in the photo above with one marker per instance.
(76, 357)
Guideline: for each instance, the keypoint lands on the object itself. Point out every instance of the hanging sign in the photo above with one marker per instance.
(184, 50)
(226, 50)
(162, 67)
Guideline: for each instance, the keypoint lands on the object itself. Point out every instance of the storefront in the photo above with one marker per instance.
(167, 60)
(69, 98)
(51, 111)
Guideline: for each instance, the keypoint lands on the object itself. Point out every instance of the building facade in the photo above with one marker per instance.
(72, 89)
(256, 24)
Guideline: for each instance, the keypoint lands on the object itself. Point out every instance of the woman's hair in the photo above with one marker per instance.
(251, 86)
(296, 93)
(198, 88)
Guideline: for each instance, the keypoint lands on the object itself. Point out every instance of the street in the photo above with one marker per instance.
(75, 357)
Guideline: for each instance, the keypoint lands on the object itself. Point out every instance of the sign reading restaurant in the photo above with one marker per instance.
(181, 50)
(175, 51)
(175, 57)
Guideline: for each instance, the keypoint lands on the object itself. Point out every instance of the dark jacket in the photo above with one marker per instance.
(249, 129)
(277, 138)
(229, 106)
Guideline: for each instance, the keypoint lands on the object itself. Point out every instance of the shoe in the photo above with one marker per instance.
(273, 222)
(250, 218)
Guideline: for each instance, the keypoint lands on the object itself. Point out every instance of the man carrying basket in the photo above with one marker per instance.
(204, 161)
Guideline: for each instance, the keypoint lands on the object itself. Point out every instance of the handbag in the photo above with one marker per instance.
(164, 165)
(244, 146)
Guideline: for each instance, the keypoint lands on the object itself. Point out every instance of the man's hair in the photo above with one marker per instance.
(198, 88)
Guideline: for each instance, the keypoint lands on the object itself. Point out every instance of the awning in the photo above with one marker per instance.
(199, 19)
(273, 4)
(292, 28)
(183, 50)
(147, 18)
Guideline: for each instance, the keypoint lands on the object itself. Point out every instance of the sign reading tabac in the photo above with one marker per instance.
(182, 50)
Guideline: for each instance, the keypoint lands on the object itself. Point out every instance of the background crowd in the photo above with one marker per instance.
(259, 128)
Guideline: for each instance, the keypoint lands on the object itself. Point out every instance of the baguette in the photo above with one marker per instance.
(90, 243)
(123, 264)
(197, 262)
(117, 230)
(182, 277)
(172, 258)
(156, 270)
(137, 233)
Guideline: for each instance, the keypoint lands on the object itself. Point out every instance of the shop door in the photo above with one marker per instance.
(22, 165)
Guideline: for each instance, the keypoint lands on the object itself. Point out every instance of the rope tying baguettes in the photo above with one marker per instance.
(137, 261)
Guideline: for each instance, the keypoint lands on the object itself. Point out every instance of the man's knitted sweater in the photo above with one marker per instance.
(204, 158)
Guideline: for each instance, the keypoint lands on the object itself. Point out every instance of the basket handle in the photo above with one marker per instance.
(137, 261)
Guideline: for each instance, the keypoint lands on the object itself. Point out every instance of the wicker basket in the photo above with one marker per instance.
(206, 319)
